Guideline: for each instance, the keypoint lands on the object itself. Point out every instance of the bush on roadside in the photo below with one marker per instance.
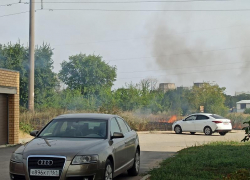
(27, 128)
(137, 120)
(237, 119)
(37, 120)
(247, 111)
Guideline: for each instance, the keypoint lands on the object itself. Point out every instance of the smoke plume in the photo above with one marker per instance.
(173, 51)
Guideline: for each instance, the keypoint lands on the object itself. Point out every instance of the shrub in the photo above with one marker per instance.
(27, 128)
(237, 119)
(247, 111)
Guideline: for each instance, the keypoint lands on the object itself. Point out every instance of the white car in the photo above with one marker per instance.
(204, 123)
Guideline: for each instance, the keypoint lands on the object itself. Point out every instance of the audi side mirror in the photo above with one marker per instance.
(117, 135)
(34, 133)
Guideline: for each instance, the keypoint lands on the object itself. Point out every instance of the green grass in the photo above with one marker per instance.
(27, 128)
(218, 160)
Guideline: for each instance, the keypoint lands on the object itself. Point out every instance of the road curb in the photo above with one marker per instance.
(8, 145)
(145, 177)
(155, 132)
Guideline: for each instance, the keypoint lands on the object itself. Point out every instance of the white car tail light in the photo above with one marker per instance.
(217, 122)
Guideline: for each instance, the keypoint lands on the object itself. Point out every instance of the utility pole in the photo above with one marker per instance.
(41, 4)
(31, 55)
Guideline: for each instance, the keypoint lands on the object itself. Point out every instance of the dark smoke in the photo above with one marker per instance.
(174, 50)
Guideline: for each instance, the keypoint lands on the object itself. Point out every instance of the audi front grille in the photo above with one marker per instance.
(39, 162)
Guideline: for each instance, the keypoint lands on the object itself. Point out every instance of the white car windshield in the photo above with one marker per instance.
(76, 128)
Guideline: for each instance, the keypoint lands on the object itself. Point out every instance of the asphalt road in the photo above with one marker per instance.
(155, 146)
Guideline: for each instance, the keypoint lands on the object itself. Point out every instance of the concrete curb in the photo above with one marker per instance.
(145, 177)
(21, 141)
(8, 145)
(155, 132)
(172, 132)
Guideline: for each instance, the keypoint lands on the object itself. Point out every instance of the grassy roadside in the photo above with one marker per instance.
(138, 121)
(217, 160)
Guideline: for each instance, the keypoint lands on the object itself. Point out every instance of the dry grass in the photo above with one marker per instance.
(137, 121)
(237, 119)
(40, 118)
(24, 135)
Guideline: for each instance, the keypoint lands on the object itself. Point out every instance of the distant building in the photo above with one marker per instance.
(243, 92)
(199, 84)
(166, 86)
(242, 105)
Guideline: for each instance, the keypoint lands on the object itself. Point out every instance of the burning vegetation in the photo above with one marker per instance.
(170, 120)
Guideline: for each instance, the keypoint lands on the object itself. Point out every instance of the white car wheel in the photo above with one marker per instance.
(178, 129)
(208, 131)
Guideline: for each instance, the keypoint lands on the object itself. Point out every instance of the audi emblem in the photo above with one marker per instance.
(45, 162)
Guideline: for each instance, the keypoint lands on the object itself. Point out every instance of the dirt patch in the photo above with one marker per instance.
(23, 135)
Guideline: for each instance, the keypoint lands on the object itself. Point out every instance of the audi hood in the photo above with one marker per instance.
(55, 146)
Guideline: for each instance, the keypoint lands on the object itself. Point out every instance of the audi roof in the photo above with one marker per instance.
(87, 116)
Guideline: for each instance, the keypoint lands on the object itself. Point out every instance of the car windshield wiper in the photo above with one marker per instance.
(46, 141)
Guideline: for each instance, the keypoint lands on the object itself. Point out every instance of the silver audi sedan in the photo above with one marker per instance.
(78, 147)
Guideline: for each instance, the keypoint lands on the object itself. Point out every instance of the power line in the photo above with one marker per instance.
(14, 14)
(10, 4)
(117, 2)
(154, 10)
(18, 13)
(218, 70)
(127, 2)
(223, 49)
(118, 40)
(184, 67)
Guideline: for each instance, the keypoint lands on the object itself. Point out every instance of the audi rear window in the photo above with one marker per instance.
(215, 116)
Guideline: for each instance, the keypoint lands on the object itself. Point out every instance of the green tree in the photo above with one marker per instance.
(89, 74)
(128, 98)
(16, 57)
(210, 96)
(156, 101)
(232, 100)
(171, 102)
(46, 80)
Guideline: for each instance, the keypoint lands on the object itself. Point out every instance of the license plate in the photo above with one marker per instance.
(226, 123)
(43, 172)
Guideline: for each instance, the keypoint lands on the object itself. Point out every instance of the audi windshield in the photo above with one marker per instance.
(75, 128)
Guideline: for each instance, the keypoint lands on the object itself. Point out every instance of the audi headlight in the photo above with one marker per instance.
(18, 158)
(85, 159)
